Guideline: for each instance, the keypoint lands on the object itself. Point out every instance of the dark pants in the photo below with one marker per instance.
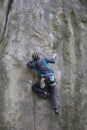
(51, 90)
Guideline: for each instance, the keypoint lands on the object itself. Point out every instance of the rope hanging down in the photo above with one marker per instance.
(34, 100)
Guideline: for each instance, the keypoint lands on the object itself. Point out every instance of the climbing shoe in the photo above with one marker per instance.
(46, 95)
(56, 111)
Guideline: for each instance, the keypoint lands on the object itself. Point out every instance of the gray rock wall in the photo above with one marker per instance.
(48, 26)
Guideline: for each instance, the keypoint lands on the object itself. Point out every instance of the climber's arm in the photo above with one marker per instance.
(30, 64)
(50, 60)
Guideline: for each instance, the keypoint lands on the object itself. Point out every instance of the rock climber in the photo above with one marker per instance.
(46, 74)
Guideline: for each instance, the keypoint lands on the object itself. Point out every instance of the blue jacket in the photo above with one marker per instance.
(41, 66)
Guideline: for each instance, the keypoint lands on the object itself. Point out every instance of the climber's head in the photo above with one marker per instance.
(35, 56)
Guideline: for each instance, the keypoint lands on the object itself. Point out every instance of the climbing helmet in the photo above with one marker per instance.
(35, 56)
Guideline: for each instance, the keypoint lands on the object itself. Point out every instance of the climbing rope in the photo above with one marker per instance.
(34, 100)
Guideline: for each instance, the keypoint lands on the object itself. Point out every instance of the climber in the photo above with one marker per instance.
(41, 66)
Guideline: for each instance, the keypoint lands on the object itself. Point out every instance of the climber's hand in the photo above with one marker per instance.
(54, 56)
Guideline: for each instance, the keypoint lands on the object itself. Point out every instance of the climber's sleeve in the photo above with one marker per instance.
(50, 60)
(30, 64)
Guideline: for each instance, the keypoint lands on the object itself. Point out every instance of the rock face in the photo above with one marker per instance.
(47, 26)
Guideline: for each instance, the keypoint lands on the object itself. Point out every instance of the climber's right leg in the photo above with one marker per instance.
(36, 88)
